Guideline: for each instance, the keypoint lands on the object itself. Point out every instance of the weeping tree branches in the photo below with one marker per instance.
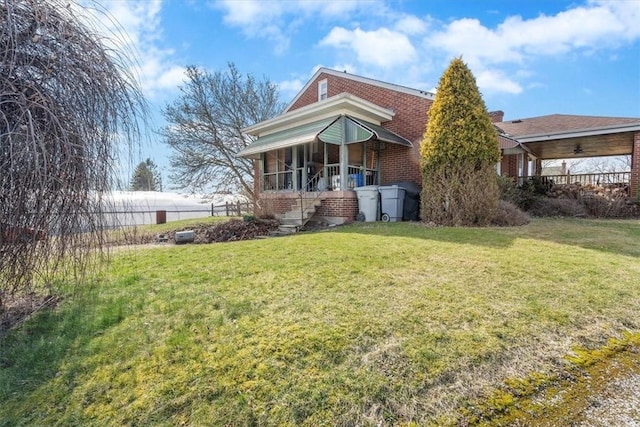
(66, 101)
(205, 128)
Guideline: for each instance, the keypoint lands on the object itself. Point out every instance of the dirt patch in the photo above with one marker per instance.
(229, 231)
(16, 309)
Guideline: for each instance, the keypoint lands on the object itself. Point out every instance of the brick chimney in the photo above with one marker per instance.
(496, 116)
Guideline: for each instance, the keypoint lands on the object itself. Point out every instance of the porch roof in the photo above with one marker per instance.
(297, 135)
(383, 134)
(309, 132)
(344, 103)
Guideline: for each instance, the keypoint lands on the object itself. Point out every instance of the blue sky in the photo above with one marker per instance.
(530, 58)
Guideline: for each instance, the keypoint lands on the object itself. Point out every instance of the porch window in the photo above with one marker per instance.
(278, 169)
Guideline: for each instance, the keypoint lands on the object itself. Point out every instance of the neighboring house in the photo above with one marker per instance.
(343, 131)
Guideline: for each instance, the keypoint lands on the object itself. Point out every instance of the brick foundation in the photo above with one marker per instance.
(337, 206)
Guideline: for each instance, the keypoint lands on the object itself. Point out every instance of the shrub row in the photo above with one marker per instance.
(541, 199)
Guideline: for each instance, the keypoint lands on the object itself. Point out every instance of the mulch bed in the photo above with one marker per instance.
(229, 231)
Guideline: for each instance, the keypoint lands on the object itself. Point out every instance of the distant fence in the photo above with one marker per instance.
(131, 217)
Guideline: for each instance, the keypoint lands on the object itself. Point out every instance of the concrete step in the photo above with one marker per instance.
(306, 204)
(297, 215)
(292, 222)
(284, 230)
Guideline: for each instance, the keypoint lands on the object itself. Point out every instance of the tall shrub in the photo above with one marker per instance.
(459, 153)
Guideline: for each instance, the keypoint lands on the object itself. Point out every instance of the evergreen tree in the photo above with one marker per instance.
(459, 153)
(146, 177)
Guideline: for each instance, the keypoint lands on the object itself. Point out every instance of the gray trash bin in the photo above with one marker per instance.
(392, 200)
(367, 203)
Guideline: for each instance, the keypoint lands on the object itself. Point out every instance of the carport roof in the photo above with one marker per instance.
(559, 136)
(559, 124)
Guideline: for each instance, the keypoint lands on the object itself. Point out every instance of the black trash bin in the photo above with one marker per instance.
(411, 206)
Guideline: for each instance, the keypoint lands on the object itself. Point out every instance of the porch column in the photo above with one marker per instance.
(305, 167)
(634, 181)
(344, 162)
(294, 168)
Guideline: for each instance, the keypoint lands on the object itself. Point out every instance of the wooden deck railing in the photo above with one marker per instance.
(604, 179)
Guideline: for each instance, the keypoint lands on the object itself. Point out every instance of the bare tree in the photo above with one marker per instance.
(606, 164)
(205, 128)
(66, 102)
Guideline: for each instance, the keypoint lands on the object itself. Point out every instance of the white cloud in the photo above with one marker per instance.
(492, 52)
(595, 26)
(498, 54)
(171, 78)
(382, 47)
(496, 81)
(278, 20)
(134, 27)
(411, 25)
(293, 85)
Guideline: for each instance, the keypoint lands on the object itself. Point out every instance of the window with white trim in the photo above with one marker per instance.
(322, 89)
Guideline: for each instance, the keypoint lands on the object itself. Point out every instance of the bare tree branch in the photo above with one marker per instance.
(66, 102)
(205, 128)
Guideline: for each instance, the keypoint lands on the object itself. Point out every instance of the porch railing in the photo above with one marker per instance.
(305, 208)
(357, 176)
(604, 179)
(328, 178)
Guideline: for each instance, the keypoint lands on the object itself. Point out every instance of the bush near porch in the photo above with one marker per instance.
(540, 199)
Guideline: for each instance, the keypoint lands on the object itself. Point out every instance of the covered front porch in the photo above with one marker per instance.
(320, 166)
(319, 153)
(334, 154)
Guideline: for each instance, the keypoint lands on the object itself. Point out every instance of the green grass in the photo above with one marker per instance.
(366, 323)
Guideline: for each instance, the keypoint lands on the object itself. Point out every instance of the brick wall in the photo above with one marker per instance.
(336, 204)
(634, 184)
(398, 163)
(278, 203)
(509, 165)
(340, 204)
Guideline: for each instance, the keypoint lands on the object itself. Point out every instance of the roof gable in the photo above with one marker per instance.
(344, 103)
(344, 75)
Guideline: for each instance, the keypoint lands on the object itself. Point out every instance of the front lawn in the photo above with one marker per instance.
(363, 324)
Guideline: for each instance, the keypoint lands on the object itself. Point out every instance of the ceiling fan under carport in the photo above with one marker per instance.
(580, 151)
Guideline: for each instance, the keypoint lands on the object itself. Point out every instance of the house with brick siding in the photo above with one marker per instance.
(344, 131)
